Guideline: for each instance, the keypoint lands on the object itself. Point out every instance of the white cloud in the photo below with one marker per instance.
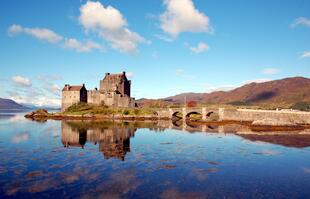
(261, 80)
(211, 89)
(301, 21)
(182, 16)
(129, 74)
(201, 47)
(43, 92)
(81, 47)
(305, 54)
(270, 71)
(53, 38)
(15, 29)
(35, 98)
(163, 38)
(55, 89)
(21, 81)
(39, 33)
(22, 137)
(110, 24)
(48, 84)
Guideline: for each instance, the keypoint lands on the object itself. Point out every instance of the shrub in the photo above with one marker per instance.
(239, 103)
(303, 106)
(126, 112)
(136, 111)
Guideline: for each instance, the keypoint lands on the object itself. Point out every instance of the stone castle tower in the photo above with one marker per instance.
(114, 91)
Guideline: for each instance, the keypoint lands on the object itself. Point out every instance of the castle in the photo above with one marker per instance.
(114, 91)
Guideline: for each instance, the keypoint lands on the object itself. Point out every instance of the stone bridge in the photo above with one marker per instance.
(186, 112)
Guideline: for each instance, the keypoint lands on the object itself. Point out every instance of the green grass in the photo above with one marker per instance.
(83, 108)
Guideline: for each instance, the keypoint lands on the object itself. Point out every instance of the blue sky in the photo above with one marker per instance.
(166, 46)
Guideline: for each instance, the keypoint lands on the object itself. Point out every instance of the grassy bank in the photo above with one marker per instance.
(83, 108)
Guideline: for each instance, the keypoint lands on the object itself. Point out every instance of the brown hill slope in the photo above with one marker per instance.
(282, 92)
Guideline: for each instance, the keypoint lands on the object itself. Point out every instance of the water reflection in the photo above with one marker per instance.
(113, 139)
(164, 159)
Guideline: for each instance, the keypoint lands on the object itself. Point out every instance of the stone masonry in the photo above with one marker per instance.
(114, 91)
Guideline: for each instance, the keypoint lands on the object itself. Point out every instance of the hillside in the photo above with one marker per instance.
(284, 92)
(8, 104)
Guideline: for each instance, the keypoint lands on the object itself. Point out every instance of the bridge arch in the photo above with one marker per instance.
(177, 114)
(209, 113)
(193, 113)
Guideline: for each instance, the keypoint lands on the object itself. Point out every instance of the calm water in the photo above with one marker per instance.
(73, 159)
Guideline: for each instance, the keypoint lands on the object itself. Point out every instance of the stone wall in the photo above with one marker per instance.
(93, 97)
(69, 98)
(110, 99)
(298, 117)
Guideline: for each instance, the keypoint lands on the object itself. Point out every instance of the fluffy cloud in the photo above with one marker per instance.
(42, 92)
(270, 71)
(81, 47)
(54, 88)
(110, 24)
(34, 96)
(301, 21)
(53, 38)
(21, 81)
(182, 16)
(49, 85)
(305, 54)
(39, 33)
(201, 47)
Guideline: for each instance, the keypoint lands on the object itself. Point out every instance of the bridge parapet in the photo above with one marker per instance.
(186, 112)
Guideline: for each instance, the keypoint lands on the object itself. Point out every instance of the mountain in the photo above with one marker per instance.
(283, 92)
(8, 104)
(31, 106)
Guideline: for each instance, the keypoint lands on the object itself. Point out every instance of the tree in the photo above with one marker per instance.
(191, 104)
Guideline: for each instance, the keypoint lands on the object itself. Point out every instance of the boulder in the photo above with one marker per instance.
(37, 114)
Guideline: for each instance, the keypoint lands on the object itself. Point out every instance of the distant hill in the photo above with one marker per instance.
(33, 107)
(284, 92)
(8, 104)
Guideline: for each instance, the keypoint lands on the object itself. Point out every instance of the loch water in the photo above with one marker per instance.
(88, 159)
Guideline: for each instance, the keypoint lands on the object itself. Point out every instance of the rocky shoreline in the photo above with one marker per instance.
(261, 125)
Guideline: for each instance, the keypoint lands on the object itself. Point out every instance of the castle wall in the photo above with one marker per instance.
(69, 98)
(109, 99)
(114, 91)
(93, 97)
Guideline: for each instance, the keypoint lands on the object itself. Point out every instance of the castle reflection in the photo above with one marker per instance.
(113, 139)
